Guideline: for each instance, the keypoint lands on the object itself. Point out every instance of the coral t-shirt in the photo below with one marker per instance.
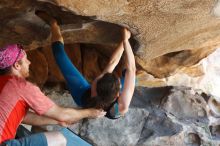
(16, 96)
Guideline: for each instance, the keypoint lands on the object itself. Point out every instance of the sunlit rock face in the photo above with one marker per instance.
(208, 79)
(167, 35)
(172, 41)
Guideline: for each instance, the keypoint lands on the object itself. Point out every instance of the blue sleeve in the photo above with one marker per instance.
(77, 84)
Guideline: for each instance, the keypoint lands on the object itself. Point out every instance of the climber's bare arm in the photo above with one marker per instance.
(129, 83)
(113, 62)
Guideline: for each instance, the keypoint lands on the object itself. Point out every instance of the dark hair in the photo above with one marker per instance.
(5, 71)
(107, 89)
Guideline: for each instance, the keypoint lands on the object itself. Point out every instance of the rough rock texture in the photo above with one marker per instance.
(160, 26)
(169, 38)
(54, 74)
(168, 35)
(172, 63)
(156, 117)
(174, 105)
(38, 75)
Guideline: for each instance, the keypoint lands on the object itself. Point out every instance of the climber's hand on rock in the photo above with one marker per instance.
(126, 34)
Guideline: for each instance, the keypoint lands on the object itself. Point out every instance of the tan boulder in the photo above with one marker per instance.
(74, 54)
(169, 36)
(38, 67)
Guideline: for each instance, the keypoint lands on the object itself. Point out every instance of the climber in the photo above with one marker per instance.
(17, 96)
(104, 92)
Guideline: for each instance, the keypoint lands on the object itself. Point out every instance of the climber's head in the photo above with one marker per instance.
(108, 88)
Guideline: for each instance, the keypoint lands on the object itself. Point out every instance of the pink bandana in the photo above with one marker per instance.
(10, 54)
